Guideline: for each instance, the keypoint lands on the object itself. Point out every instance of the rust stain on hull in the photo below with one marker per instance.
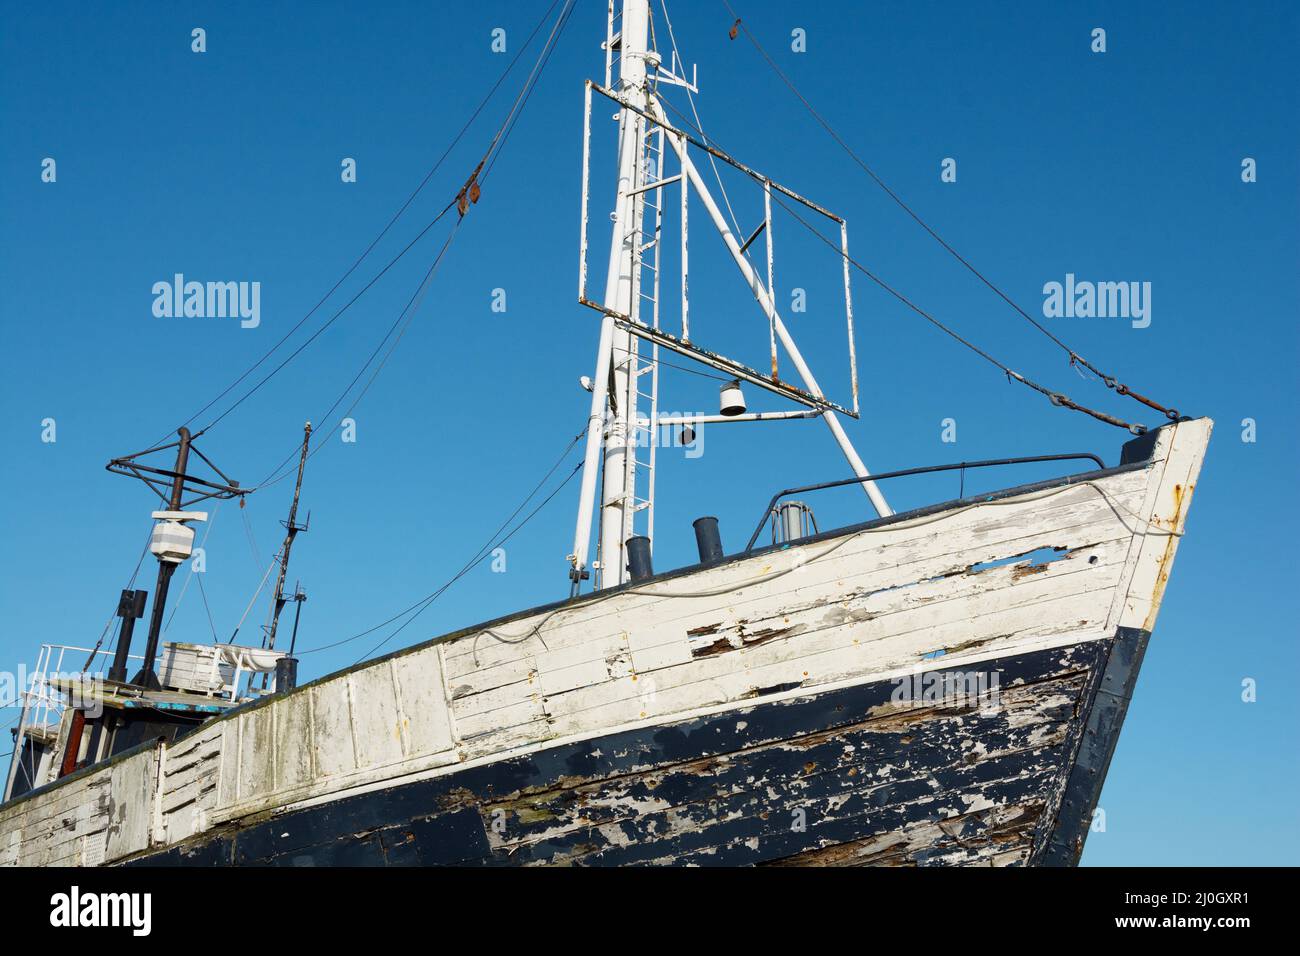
(1181, 499)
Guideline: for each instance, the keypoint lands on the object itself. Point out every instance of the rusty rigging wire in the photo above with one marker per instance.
(467, 196)
(1075, 358)
(1056, 398)
(374, 242)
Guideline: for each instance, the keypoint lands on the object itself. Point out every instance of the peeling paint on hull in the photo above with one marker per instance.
(844, 777)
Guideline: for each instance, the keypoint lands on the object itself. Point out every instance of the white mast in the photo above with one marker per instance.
(613, 418)
(615, 348)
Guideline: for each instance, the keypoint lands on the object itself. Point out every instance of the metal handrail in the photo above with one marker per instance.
(40, 702)
(771, 505)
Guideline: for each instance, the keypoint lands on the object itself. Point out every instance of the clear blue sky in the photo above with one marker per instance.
(226, 166)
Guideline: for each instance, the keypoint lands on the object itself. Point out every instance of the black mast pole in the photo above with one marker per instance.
(291, 532)
(147, 678)
(299, 595)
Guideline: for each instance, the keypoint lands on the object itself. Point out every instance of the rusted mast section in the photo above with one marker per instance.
(291, 531)
(608, 423)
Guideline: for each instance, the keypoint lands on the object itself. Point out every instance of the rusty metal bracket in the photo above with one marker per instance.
(720, 362)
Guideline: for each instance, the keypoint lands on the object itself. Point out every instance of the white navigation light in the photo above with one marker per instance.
(732, 399)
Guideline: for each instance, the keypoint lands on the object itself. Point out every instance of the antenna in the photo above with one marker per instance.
(291, 531)
(173, 540)
(299, 595)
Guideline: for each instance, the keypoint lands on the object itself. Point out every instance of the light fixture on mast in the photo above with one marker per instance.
(731, 400)
(172, 541)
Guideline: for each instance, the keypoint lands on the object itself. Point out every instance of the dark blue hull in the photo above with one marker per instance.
(842, 777)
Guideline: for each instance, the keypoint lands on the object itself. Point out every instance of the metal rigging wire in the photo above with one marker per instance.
(1075, 358)
(383, 232)
(192, 573)
(470, 189)
(468, 193)
(481, 553)
(330, 321)
(470, 566)
(285, 468)
(1056, 398)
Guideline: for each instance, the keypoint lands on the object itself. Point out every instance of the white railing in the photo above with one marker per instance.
(222, 672)
(43, 704)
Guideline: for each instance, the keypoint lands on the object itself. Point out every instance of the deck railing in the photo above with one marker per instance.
(928, 469)
(42, 704)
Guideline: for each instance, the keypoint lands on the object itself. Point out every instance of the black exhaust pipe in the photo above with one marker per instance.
(286, 674)
(638, 558)
(130, 608)
(708, 539)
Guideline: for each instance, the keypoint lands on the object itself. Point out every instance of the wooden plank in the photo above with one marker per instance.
(130, 805)
(257, 757)
(1152, 561)
(1100, 562)
(863, 563)
(806, 653)
(427, 718)
(376, 723)
(293, 741)
(331, 709)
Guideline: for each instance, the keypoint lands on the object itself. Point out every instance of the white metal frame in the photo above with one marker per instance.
(612, 423)
(682, 143)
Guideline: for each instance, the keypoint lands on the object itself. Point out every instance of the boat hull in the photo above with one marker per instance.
(810, 703)
(860, 775)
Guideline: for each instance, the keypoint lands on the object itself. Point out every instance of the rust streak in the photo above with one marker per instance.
(1167, 559)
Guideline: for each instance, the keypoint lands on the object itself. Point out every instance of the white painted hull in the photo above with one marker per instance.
(847, 614)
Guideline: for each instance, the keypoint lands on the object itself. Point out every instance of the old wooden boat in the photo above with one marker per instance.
(944, 685)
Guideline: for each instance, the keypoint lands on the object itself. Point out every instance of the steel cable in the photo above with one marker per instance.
(1075, 358)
